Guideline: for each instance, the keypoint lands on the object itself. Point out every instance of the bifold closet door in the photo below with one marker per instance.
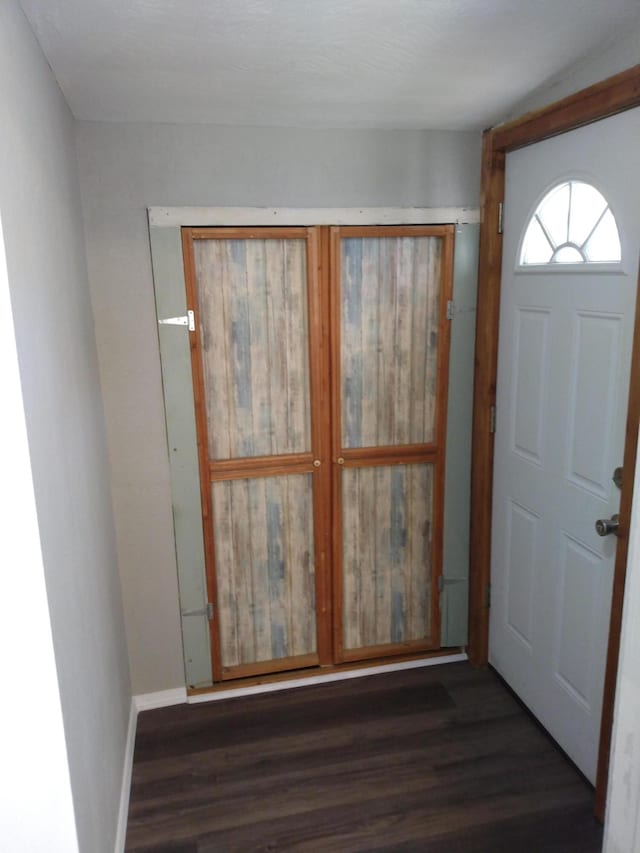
(260, 361)
(390, 288)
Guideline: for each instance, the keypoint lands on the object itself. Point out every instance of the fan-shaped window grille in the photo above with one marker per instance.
(573, 224)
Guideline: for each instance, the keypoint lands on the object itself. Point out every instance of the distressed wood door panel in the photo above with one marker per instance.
(390, 348)
(252, 300)
(258, 359)
(387, 555)
(263, 534)
(389, 339)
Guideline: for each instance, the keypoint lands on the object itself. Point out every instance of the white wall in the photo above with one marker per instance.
(40, 207)
(36, 808)
(123, 169)
(618, 55)
(622, 831)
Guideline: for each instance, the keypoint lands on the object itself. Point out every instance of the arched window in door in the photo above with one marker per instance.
(573, 224)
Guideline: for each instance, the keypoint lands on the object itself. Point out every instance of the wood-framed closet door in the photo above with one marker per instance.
(390, 353)
(260, 376)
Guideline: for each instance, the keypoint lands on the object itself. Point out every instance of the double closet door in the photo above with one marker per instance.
(320, 371)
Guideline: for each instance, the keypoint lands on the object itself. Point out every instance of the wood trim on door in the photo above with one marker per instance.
(606, 98)
(434, 453)
(484, 399)
(321, 393)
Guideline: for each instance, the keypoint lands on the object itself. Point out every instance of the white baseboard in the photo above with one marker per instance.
(323, 679)
(125, 790)
(142, 702)
(161, 699)
(178, 695)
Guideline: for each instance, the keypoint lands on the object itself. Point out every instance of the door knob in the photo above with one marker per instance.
(605, 526)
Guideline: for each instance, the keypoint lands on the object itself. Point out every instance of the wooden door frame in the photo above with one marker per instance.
(606, 98)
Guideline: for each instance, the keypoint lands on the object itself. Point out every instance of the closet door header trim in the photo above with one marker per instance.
(172, 217)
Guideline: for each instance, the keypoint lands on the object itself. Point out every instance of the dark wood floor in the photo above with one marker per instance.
(434, 759)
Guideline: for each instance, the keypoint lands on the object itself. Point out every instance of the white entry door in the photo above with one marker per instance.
(563, 373)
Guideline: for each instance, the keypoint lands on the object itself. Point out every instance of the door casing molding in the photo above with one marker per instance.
(606, 98)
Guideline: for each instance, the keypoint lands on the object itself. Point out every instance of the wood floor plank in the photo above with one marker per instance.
(434, 759)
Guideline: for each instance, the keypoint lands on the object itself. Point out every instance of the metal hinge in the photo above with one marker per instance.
(500, 216)
(187, 320)
(488, 595)
(492, 419)
(442, 582)
(451, 309)
(207, 611)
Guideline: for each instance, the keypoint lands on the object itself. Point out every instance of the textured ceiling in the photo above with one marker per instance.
(449, 64)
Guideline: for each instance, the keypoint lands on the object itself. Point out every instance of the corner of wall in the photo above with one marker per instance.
(127, 771)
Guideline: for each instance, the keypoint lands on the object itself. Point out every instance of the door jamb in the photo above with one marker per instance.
(606, 98)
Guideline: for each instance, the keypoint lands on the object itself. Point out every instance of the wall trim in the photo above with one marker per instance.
(125, 790)
(234, 692)
(161, 699)
(175, 217)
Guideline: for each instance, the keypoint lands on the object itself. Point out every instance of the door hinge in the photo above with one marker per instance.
(451, 309)
(492, 419)
(187, 320)
(207, 611)
(442, 582)
(488, 596)
(500, 216)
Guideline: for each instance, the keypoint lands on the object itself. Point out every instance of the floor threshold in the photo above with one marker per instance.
(271, 684)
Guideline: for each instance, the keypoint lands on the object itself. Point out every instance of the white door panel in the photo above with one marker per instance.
(563, 375)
